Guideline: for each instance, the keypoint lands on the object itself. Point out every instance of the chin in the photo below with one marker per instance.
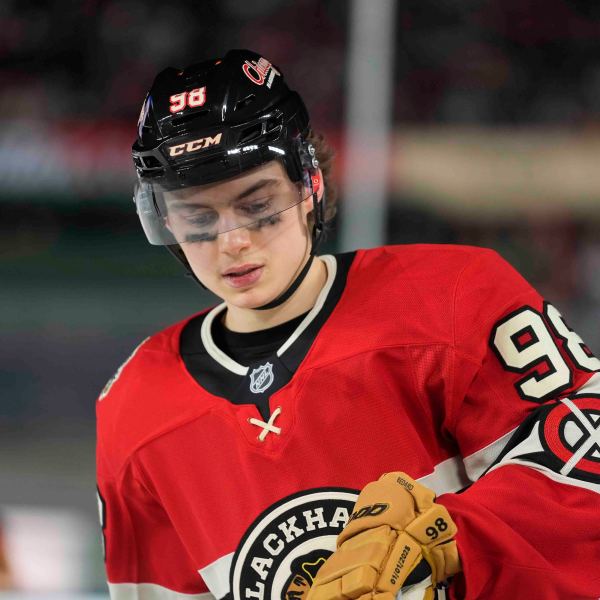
(249, 299)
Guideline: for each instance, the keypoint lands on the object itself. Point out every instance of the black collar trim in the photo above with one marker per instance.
(222, 376)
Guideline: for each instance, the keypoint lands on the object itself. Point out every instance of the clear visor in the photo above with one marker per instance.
(196, 215)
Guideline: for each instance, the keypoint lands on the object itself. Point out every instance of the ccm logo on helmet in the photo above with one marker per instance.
(195, 145)
(257, 71)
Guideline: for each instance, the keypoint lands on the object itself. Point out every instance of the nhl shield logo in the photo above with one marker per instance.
(261, 378)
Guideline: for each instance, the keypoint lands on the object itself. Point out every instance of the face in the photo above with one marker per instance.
(245, 238)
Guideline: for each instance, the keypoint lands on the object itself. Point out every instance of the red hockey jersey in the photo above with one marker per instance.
(440, 361)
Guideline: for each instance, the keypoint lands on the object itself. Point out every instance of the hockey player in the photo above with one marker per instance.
(232, 446)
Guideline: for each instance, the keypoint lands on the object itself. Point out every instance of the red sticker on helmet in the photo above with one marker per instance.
(257, 71)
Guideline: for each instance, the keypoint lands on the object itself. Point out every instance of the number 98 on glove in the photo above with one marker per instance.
(397, 536)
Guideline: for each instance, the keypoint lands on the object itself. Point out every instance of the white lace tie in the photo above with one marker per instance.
(267, 426)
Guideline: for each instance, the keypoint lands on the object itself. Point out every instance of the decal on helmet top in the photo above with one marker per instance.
(257, 71)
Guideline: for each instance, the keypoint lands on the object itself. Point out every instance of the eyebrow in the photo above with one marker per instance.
(261, 183)
(258, 185)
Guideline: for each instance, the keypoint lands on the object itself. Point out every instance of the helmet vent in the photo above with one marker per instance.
(273, 129)
(178, 121)
(273, 134)
(272, 124)
(244, 102)
(250, 133)
(151, 162)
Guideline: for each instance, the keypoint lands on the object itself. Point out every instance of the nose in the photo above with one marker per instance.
(234, 241)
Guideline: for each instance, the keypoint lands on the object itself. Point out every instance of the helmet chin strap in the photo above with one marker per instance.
(292, 287)
(317, 234)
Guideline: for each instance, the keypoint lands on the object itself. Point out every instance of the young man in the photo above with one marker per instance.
(232, 446)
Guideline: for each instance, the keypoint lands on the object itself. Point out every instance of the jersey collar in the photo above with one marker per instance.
(234, 367)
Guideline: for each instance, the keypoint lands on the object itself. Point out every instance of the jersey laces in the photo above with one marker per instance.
(267, 426)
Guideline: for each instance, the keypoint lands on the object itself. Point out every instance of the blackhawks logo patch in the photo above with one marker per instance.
(284, 548)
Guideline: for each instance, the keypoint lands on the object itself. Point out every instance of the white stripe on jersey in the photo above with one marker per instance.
(448, 476)
(478, 462)
(216, 575)
(150, 591)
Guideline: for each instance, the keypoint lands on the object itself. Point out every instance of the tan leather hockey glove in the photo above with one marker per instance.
(395, 525)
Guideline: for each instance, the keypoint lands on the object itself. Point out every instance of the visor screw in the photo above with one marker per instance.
(311, 149)
(315, 163)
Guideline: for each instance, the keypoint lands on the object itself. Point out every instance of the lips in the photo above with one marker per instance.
(242, 276)
(241, 269)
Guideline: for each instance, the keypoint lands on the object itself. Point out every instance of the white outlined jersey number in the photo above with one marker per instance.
(580, 354)
(524, 344)
(192, 99)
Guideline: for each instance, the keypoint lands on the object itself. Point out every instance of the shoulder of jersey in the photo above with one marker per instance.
(424, 257)
(146, 396)
(439, 264)
(399, 296)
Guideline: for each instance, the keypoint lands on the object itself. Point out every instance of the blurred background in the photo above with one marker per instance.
(488, 114)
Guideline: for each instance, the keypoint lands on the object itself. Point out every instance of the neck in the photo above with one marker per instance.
(246, 320)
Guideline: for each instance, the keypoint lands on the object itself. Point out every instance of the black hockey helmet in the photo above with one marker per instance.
(242, 109)
(214, 120)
